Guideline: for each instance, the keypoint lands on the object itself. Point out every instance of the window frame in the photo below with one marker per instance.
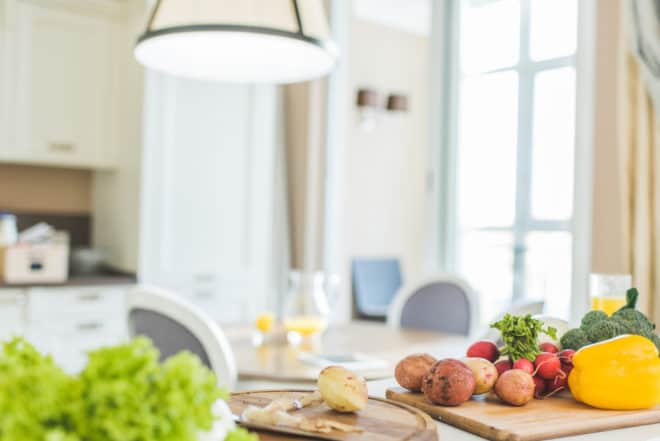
(446, 76)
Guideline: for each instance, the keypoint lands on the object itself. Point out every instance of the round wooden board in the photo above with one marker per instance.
(381, 420)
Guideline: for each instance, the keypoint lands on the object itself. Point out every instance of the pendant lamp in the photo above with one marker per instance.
(244, 41)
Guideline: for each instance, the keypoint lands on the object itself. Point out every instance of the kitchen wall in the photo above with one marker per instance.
(45, 190)
(385, 167)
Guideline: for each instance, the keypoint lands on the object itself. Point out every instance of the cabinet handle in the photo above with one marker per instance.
(62, 147)
(203, 295)
(89, 297)
(90, 326)
(204, 278)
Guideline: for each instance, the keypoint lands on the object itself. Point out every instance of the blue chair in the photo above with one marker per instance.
(375, 283)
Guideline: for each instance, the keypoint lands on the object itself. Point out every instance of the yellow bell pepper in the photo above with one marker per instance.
(620, 374)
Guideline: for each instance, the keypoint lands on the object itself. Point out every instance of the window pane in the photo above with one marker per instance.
(554, 144)
(548, 264)
(488, 118)
(486, 262)
(490, 34)
(553, 28)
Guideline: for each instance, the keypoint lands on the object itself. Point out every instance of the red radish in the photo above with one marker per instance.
(556, 384)
(549, 347)
(502, 366)
(484, 349)
(566, 369)
(524, 365)
(566, 356)
(539, 387)
(547, 365)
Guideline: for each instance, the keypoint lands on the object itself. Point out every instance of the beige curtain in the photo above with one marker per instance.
(640, 130)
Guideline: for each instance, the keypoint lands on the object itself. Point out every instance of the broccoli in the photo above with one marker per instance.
(604, 330)
(641, 324)
(591, 318)
(574, 339)
(656, 340)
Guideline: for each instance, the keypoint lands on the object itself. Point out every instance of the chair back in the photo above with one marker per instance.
(375, 283)
(441, 304)
(174, 325)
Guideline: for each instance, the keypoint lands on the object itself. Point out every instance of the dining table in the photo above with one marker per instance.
(278, 365)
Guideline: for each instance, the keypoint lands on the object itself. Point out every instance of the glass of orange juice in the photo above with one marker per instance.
(306, 309)
(608, 291)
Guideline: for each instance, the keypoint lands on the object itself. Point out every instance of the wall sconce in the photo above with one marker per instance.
(397, 103)
(368, 104)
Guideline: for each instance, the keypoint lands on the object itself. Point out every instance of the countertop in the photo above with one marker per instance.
(109, 277)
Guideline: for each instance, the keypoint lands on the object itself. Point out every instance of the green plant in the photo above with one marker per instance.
(520, 335)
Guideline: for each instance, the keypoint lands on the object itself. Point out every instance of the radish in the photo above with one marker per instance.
(484, 349)
(502, 366)
(549, 347)
(539, 387)
(566, 356)
(557, 384)
(524, 365)
(548, 365)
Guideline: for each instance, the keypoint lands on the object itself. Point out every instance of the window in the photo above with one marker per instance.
(513, 143)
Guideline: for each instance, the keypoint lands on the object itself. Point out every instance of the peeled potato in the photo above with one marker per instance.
(342, 390)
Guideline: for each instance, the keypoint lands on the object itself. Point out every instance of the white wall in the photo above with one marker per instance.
(384, 186)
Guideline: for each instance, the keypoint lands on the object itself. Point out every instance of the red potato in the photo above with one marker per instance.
(549, 347)
(548, 365)
(449, 383)
(503, 366)
(524, 365)
(484, 349)
(515, 387)
(539, 387)
(485, 374)
(410, 371)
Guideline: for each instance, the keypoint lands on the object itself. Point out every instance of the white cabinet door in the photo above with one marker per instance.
(208, 192)
(62, 75)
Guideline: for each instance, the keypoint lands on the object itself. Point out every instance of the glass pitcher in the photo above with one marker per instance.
(306, 308)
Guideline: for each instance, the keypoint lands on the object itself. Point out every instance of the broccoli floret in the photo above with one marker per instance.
(656, 340)
(574, 339)
(641, 323)
(604, 330)
(591, 318)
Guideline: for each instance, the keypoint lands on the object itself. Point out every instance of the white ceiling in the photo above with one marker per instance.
(407, 15)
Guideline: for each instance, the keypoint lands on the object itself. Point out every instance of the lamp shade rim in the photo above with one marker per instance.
(326, 45)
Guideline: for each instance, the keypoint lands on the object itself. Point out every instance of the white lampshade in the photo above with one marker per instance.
(247, 41)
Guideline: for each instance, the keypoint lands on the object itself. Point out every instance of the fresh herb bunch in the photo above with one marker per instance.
(520, 335)
(123, 394)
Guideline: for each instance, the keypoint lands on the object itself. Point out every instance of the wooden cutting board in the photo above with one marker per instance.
(553, 417)
(381, 420)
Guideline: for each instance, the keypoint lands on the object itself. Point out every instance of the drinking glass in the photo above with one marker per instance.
(306, 309)
(608, 291)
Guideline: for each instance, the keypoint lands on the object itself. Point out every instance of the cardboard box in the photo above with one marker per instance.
(36, 263)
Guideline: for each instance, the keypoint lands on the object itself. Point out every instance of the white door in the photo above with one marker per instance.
(62, 77)
(208, 193)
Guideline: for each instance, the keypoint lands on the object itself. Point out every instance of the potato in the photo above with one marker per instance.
(410, 371)
(515, 387)
(342, 390)
(485, 374)
(449, 383)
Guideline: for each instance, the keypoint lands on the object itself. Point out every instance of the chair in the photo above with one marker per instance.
(443, 304)
(518, 308)
(175, 325)
(375, 283)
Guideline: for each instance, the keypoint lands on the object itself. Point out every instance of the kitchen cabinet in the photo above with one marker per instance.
(66, 322)
(62, 82)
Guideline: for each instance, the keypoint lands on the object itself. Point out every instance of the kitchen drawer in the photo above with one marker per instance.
(53, 305)
(220, 305)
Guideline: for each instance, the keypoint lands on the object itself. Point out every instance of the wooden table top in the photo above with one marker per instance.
(279, 361)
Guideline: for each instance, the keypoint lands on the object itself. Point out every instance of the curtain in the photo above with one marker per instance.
(641, 143)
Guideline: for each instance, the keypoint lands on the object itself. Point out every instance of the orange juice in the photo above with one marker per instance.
(608, 305)
(306, 325)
